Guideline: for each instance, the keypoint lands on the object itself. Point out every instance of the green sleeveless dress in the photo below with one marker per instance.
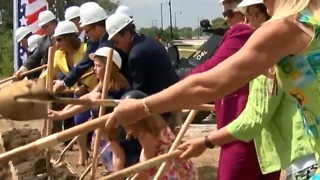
(300, 76)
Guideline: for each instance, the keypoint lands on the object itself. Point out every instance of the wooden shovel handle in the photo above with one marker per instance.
(24, 74)
(202, 107)
(71, 91)
(53, 139)
(87, 75)
(143, 166)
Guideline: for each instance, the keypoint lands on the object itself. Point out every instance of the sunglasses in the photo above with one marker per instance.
(88, 30)
(59, 39)
(228, 13)
(44, 26)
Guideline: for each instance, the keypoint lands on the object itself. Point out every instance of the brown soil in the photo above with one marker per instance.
(5, 173)
(33, 165)
(207, 163)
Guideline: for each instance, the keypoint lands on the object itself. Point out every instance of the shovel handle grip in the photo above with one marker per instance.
(24, 73)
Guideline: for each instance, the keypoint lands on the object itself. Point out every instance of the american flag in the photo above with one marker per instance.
(26, 14)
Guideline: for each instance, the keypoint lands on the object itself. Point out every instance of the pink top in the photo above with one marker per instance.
(231, 42)
(177, 168)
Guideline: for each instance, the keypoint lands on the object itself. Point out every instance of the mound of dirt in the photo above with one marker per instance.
(5, 173)
(31, 166)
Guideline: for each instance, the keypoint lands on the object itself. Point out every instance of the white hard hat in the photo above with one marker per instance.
(116, 23)
(125, 10)
(91, 12)
(246, 3)
(72, 12)
(221, 1)
(45, 17)
(104, 53)
(22, 32)
(33, 42)
(65, 27)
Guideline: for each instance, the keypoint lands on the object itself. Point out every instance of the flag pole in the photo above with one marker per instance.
(15, 27)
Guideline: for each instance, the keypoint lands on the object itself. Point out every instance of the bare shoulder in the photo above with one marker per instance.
(283, 37)
(275, 40)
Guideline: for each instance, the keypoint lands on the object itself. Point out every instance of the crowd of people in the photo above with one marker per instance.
(263, 79)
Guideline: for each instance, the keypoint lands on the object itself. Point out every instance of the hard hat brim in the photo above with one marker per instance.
(116, 32)
(32, 49)
(20, 39)
(23, 36)
(92, 56)
(88, 23)
(248, 3)
(59, 34)
(43, 23)
(72, 17)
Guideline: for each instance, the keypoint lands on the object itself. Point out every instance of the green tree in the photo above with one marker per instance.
(185, 32)
(218, 23)
(6, 10)
(6, 52)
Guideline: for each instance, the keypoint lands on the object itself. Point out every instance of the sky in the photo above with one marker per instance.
(148, 12)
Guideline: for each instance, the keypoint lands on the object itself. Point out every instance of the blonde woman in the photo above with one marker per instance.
(70, 52)
(290, 40)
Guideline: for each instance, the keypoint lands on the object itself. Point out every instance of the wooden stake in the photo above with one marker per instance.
(48, 122)
(65, 150)
(83, 175)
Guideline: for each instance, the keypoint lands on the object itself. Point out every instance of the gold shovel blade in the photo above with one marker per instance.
(23, 111)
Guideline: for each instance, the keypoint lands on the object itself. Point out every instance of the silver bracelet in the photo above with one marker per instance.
(145, 107)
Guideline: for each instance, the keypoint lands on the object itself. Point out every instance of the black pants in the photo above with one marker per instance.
(66, 124)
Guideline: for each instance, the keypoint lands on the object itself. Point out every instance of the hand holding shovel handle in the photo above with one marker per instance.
(24, 74)
(143, 166)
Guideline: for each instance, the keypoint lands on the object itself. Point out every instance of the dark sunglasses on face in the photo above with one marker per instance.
(228, 13)
(89, 29)
(59, 39)
(44, 26)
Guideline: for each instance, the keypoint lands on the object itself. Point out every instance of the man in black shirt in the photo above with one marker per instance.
(148, 60)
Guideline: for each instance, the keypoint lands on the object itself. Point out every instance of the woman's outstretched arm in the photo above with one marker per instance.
(265, 48)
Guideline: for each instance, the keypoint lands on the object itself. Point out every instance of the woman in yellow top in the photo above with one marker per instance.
(70, 52)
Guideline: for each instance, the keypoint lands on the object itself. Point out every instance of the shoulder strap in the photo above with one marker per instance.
(303, 27)
(305, 19)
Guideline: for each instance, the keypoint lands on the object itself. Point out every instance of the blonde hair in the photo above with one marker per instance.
(287, 8)
(152, 125)
(117, 80)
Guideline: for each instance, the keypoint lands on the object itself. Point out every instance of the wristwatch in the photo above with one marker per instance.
(207, 143)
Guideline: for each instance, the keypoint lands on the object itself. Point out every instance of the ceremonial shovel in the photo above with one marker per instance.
(26, 100)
